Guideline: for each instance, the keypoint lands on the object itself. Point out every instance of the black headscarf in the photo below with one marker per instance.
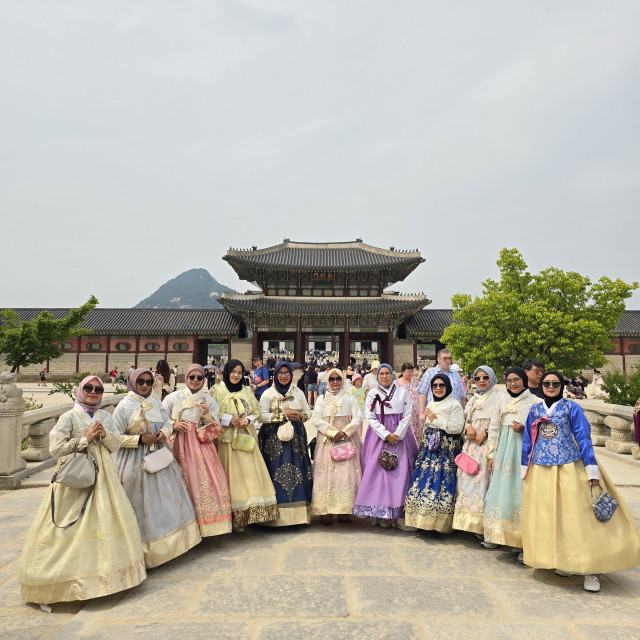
(448, 388)
(226, 375)
(547, 400)
(281, 389)
(522, 374)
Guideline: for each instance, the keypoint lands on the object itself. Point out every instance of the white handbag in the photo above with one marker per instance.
(285, 432)
(158, 460)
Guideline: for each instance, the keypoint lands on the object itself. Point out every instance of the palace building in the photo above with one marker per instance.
(333, 297)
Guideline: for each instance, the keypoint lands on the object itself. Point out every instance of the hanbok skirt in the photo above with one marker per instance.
(503, 504)
(206, 482)
(289, 467)
(253, 496)
(335, 484)
(162, 505)
(99, 555)
(560, 531)
(471, 490)
(432, 490)
(382, 493)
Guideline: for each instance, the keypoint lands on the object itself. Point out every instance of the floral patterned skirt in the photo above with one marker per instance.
(431, 495)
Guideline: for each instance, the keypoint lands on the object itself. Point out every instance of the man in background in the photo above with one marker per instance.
(260, 377)
(443, 359)
(535, 370)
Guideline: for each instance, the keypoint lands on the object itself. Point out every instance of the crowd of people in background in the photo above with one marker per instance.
(433, 450)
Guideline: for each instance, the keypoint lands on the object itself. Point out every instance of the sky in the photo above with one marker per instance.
(142, 139)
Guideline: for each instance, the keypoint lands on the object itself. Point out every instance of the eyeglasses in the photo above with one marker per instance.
(335, 379)
(145, 382)
(511, 381)
(283, 373)
(198, 378)
(438, 385)
(89, 388)
(552, 385)
(478, 378)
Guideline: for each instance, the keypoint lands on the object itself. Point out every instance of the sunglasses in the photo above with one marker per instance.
(89, 388)
(198, 378)
(552, 385)
(146, 382)
(478, 378)
(335, 379)
(439, 385)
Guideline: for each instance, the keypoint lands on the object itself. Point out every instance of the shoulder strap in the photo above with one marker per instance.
(82, 509)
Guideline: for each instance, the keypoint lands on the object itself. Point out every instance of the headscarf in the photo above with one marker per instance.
(393, 375)
(493, 380)
(197, 368)
(226, 375)
(522, 374)
(552, 400)
(448, 388)
(281, 389)
(133, 379)
(339, 391)
(89, 408)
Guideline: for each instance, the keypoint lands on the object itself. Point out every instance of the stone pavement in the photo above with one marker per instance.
(348, 580)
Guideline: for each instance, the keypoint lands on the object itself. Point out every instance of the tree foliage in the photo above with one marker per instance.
(561, 318)
(620, 389)
(35, 341)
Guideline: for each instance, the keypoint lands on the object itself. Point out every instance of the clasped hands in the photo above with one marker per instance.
(427, 415)
(393, 438)
(153, 438)
(293, 415)
(96, 430)
(478, 438)
(238, 422)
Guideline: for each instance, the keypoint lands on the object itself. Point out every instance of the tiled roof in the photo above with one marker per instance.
(629, 325)
(124, 321)
(323, 306)
(323, 255)
(429, 321)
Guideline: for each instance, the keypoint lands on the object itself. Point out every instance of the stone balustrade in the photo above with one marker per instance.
(611, 426)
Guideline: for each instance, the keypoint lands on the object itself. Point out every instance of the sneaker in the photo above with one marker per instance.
(489, 545)
(563, 574)
(521, 557)
(385, 523)
(515, 551)
(592, 583)
(237, 529)
(405, 527)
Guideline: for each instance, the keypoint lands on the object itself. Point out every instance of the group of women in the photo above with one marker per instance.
(514, 471)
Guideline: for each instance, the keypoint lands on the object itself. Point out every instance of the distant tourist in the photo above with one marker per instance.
(260, 377)
(410, 384)
(312, 386)
(43, 378)
(535, 371)
(165, 380)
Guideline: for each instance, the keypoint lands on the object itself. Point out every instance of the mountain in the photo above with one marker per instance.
(193, 289)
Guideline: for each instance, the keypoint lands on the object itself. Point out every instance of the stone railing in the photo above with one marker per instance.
(611, 426)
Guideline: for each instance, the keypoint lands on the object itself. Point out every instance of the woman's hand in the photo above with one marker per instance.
(471, 434)
(96, 430)
(490, 465)
(430, 415)
(594, 483)
(244, 422)
(203, 406)
(148, 438)
(235, 422)
(393, 438)
(340, 436)
(517, 427)
(292, 415)
(481, 437)
(183, 425)
(160, 438)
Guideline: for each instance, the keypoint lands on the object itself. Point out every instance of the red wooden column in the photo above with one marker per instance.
(344, 349)
(390, 348)
(298, 353)
(255, 349)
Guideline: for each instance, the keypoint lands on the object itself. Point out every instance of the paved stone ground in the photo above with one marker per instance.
(349, 580)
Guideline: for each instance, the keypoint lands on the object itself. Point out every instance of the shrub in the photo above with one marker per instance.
(622, 390)
(31, 404)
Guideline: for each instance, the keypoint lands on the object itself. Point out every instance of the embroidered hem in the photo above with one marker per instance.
(373, 511)
(174, 544)
(254, 515)
(472, 522)
(429, 523)
(291, 514)
(214, 528)
(499, 533)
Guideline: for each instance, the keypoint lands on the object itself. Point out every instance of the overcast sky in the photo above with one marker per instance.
(142, 139)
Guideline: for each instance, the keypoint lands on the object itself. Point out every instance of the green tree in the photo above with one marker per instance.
(620, 389)
(561, 318)
(35, 341)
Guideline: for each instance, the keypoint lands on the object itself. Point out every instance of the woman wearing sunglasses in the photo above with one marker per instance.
(431, 495)
(560, 471)
(253, 496)
(283, 443)
(194, 414)
(471, 489)
(160, 499)
(102, 552)
(337, 418)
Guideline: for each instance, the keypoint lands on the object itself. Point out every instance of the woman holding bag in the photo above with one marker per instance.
(150, 476)
(388, 454)
(102, 552)
(283, 443)
(336, 463)
(253, 496)
(194, 414)
(431, 495)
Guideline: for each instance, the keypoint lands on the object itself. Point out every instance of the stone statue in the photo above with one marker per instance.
(8, 389)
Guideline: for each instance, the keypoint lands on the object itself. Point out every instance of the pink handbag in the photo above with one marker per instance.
(468, 464)
(342, 451)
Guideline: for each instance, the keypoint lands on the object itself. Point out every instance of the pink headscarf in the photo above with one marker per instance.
(197, 368)
(133, 378)
(89, 408)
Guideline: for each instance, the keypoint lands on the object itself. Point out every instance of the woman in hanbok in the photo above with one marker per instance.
(337, 418)
(194, 414)
(503, 502)
(102, 552)
(382, 492)
(432, 490)
(160, 500)
(410, 384)
(253, 496)
(560, 471)
(283, 443)
(472, 489)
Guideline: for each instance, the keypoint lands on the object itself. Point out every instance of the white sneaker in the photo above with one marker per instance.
(405, 527)
(385, 523)
(521, 557)
(592, 583)
(563, 574)
(489, 545)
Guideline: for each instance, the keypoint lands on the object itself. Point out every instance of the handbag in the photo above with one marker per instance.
(342, 451)
(467, 463)
(209, 432)
(388, 461)
(285, 432)
(158, 460)
(433, 443)
(77, 470)
(243, 441)
(604, 506)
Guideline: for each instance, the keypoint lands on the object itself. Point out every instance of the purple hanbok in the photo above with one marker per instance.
(382, 493)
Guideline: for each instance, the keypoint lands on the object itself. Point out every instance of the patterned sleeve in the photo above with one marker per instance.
(582, 433)
(425, 381)
(60, 441)
(526, 442)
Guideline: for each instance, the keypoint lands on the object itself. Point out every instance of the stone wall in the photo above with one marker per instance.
(611, 426)
(241, 349)
(402, 352)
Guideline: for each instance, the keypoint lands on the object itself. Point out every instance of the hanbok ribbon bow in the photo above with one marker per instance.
(383, 403)
(534, 435)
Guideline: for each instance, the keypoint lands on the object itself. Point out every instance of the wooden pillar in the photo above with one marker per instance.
(135, 363)
(78, 354)
(390, 348)
(228, 348)
(106, 363)
(345, 350)
(256, 350)
(415, 352)
(624, 364)
(298, 353)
